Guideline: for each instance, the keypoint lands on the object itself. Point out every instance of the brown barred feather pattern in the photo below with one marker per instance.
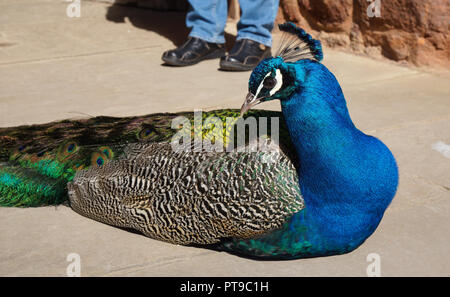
(190, 197)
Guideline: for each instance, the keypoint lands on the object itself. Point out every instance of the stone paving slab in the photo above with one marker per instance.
(107, 62)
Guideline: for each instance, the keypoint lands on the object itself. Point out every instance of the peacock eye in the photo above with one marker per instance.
(100, 161)
(107, 152)
(70, 147)
(146, 133)
(269, 82)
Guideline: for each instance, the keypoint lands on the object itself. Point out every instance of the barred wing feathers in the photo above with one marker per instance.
(187, 197)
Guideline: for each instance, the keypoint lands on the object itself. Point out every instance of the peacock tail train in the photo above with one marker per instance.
(37, 161)
(312, 184)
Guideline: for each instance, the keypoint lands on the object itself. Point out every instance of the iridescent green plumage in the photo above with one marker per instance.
(37, 161)
(264, 203)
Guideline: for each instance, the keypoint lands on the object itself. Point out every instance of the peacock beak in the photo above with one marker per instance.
(249, 102)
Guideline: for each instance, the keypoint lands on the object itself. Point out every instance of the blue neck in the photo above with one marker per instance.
(347, 178)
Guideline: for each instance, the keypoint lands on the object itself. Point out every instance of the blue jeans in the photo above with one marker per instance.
(207, 18)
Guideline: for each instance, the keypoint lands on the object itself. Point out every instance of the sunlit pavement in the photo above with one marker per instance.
(107, 62)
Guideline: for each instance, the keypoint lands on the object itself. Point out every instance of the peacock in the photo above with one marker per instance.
(309, 183)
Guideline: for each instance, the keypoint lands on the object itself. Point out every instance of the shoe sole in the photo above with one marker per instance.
(174, 62)
(230, 66)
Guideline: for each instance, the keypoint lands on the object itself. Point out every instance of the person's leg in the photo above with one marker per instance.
(207, 18)
(254, 39)
(257, 20)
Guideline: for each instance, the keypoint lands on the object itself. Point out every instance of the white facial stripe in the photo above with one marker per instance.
(261, 85)
(279, 78)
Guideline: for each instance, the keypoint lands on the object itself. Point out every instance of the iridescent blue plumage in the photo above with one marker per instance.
(347, 179)
(322, 196)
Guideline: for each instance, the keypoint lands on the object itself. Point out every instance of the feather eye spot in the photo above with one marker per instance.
(146, 133)
(68, 149)
(71, 147)
(107, 152)
(100, 161)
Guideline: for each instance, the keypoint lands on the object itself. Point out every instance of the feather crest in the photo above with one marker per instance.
(296, 44)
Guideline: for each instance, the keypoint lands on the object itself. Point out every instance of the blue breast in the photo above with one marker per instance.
(347, 178)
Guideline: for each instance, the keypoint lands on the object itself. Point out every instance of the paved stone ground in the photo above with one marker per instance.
(107, 62)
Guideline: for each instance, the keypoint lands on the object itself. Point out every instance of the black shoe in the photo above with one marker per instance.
(193, 51)
(244, 55)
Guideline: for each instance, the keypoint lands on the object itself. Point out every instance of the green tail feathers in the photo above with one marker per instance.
(37, 161)
(21, 187)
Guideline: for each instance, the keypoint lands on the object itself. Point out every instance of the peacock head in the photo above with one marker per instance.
(278, 77)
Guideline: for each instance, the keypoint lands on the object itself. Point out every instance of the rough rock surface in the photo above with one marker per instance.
(416, 31)
(413, 31)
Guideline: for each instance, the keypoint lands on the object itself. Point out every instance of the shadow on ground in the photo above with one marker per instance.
(169, 25)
